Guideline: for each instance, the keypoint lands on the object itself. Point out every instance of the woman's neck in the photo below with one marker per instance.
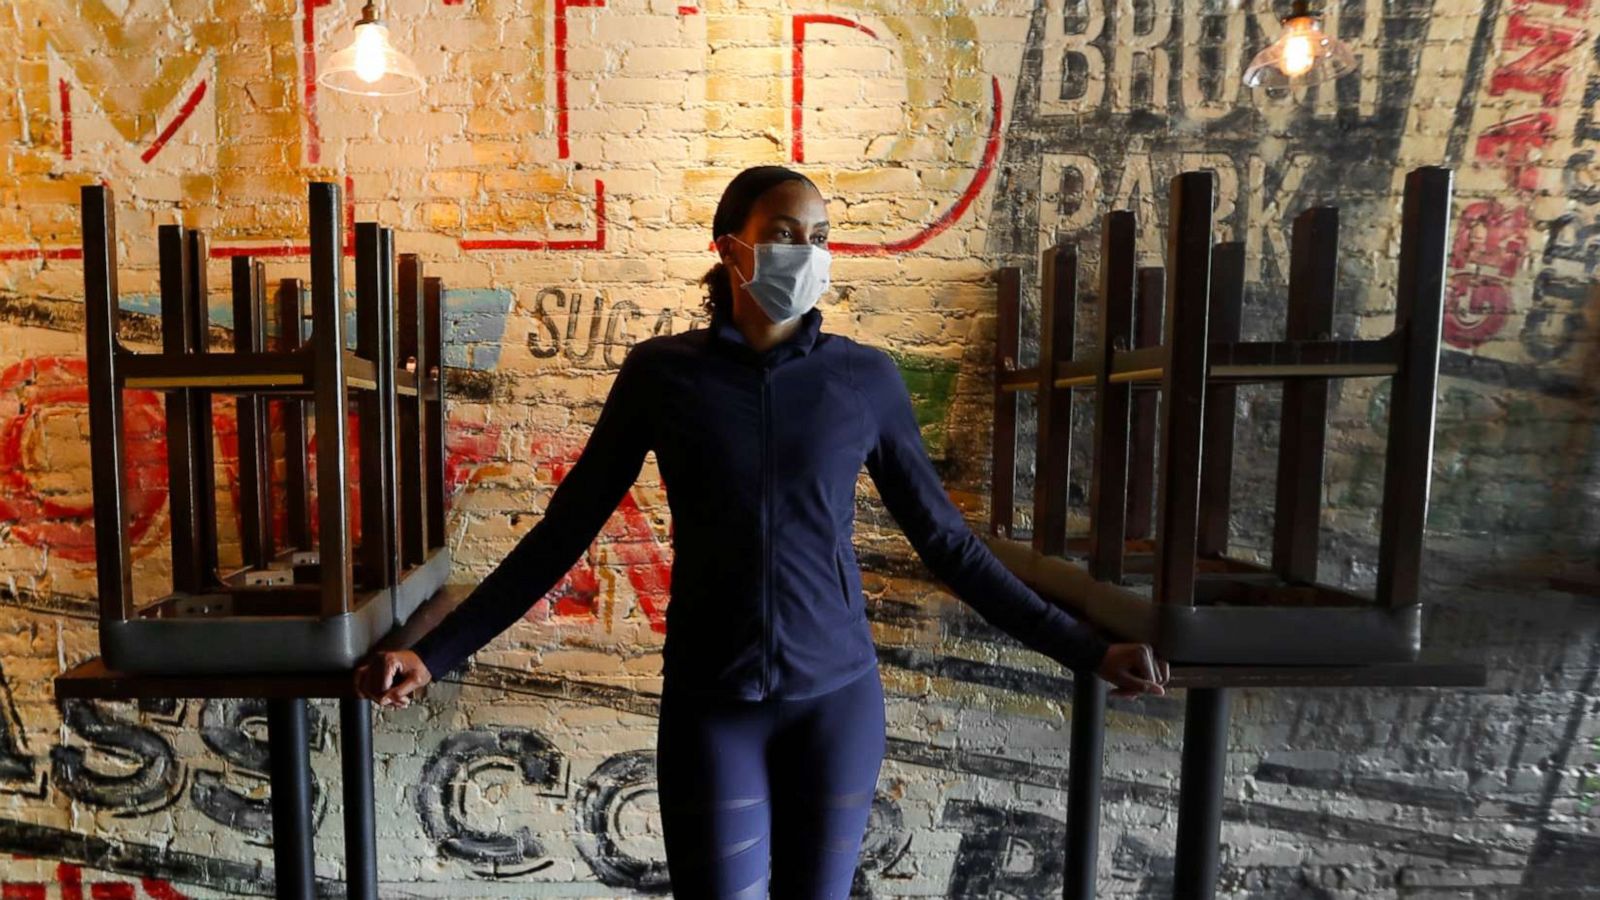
(759, 331)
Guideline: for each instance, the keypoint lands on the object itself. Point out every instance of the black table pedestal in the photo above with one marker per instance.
(1084, 770)
(1205, 759)
(288, 739)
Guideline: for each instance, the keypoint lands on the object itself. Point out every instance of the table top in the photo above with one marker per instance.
(1430, 669)
(92, 680)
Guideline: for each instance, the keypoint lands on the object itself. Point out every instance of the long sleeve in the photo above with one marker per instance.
(579, 507)
(916, 497)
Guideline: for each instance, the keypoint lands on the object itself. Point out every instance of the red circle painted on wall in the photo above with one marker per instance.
(44, 457)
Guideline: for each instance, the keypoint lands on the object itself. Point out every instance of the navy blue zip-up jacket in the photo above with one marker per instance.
(759, 452)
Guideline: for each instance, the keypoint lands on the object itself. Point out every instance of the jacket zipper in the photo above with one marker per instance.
(766, 539)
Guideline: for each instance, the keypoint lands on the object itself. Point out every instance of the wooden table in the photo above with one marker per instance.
(288, 746)
(1205, 744)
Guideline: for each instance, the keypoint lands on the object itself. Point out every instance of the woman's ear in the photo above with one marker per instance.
(723, 253)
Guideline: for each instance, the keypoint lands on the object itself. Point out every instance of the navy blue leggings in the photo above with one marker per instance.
(787, 783)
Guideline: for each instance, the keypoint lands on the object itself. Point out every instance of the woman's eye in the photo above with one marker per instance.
(821, 240)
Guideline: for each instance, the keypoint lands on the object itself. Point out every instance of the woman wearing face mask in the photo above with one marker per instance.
(771, 727)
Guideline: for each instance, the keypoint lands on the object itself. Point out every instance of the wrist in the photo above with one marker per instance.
(421, 662)
(429, 656)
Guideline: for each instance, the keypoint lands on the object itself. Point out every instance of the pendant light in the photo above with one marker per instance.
(1302, 54)
(370, 65)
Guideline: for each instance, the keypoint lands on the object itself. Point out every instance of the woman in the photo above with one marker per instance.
(771, 727)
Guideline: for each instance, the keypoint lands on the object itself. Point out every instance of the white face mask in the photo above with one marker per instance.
(788, 278)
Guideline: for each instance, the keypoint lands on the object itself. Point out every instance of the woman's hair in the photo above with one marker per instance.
(732, 212)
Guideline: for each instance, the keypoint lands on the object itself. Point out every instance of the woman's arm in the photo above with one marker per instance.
(579, 507)
(911, 489)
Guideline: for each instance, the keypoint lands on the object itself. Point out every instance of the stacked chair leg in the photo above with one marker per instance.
(1184, 594)
(321, 600)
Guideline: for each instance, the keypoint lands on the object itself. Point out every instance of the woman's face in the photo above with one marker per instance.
(790, 212)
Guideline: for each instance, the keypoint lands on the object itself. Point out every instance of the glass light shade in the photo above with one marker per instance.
(1302, 54)
(371, 66)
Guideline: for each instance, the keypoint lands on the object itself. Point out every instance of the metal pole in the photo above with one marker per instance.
(1084, 765)
(1205, 757)
(360, 832)
(290, 762)
(108, 478)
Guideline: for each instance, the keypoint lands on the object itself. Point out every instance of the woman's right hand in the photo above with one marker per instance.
(1134, 669)
(389, 677)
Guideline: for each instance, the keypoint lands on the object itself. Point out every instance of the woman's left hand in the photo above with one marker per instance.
(1134, 669)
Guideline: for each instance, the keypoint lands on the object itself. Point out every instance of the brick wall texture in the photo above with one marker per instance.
(559, 173)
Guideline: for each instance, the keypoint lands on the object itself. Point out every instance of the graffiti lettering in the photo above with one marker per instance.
(156, 778)
(448, 777)
(1077, 192)
(1004, 853)
(616, 343)
(1532, 72)
(225, 729)
(1492, 238)
(1127, 67)
(553, 339)
(1563, 289)
(17, 768)
(619, 784)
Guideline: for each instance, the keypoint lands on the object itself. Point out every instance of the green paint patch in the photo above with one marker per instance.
(1589, 785)
(931, 382)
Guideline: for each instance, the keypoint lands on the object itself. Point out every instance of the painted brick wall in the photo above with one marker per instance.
(560, 172)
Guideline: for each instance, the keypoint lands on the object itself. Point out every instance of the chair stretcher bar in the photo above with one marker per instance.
(1240, 362)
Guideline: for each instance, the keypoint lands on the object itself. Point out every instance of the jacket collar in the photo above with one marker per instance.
(727, 335)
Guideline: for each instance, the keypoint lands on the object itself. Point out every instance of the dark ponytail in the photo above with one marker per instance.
(732, 211)
(719, 295)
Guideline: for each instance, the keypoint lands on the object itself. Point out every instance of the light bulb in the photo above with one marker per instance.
(1298, 55)
(1302, 54)
(371, 40)
(369, 65)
